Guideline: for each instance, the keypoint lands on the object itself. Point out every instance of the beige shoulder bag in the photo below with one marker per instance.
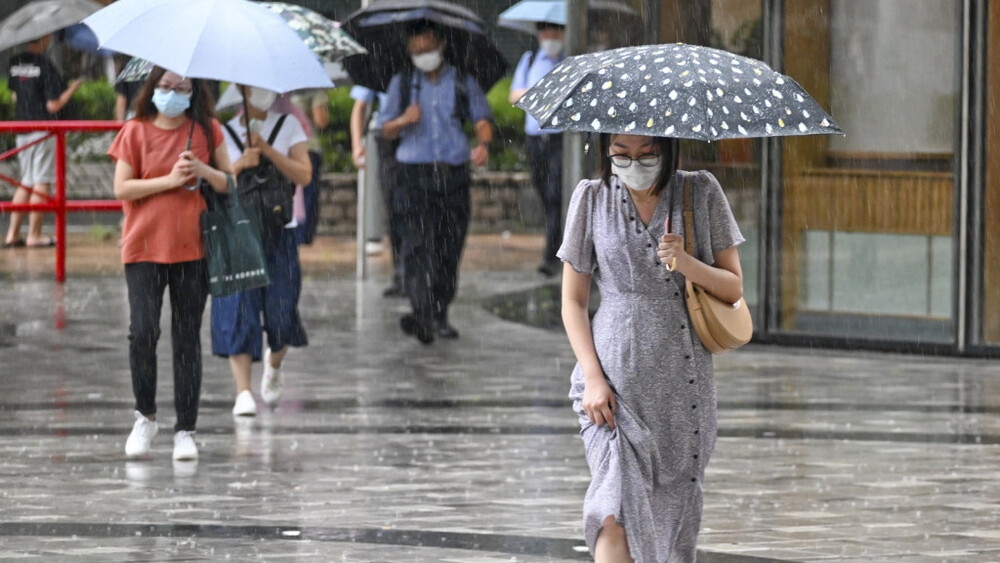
(720, 326)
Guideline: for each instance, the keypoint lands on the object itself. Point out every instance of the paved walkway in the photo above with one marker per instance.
(466, 451)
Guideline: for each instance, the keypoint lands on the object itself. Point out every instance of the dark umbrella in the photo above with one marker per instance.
(677, 90)
(383, 29)
(42, 17)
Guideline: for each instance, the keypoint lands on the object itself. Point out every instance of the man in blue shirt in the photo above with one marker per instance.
(425, 109)
(544, 146)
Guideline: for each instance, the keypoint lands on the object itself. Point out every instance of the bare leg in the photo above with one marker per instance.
(17, 217)
(241, 364)
(36, 218)
(612, 546)
(277, 357)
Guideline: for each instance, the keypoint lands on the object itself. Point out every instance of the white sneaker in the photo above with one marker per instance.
(245, 404)
(141, 438)
(271, 383)
(184, 446)
(373, 247)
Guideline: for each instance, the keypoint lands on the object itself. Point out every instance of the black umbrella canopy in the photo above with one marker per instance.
(384, 27)
(677, 90)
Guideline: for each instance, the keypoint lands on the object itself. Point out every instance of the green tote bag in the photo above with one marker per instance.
(232, 244)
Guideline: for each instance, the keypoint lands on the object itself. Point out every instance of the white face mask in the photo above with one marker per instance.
(637, 177)
(551, 47)
(427, 62)
(260, 98)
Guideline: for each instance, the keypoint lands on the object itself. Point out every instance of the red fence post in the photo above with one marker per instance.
(60, 206)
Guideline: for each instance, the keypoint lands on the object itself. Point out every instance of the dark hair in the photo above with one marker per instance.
(201, 110)
(541, 26)
(669, 148)
(424, 26)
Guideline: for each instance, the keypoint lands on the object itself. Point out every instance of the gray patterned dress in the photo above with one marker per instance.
(648, 471)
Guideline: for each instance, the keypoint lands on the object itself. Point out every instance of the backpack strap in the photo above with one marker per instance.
(277, 128)
(462, 112)
(235, 137)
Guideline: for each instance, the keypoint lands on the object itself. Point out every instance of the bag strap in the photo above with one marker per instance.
(688, 219)
(277, 127)
(236, 138)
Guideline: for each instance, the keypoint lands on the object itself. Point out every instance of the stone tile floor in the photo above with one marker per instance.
(466, 451)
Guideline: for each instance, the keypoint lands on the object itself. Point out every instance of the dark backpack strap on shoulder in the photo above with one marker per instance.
(235, 137)
(406, 85)
(462, 111)
(277, 129)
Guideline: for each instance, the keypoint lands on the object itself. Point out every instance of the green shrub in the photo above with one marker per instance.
(95, 100)
(335, 138)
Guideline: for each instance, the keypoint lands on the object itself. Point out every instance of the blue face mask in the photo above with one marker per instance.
(170, 103)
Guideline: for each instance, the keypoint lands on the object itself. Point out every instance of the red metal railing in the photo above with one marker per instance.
(57, 204)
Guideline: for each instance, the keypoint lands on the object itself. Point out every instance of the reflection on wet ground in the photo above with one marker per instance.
(386, 450)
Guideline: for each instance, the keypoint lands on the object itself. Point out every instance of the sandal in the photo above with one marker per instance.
(48, 243)
(19, 243)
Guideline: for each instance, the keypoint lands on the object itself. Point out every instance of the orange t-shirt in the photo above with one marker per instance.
(166, 227)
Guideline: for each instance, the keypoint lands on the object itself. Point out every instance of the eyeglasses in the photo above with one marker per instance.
(182, 89)
(624, 161)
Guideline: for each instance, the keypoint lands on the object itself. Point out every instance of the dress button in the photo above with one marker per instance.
(657, 262)
(693, 480)
(695, 431)
(687, 357)
(649, 245)
(691, 381)
(696, 456)
(683, 327)
(631, 218)
(694, 406)
(676, 293)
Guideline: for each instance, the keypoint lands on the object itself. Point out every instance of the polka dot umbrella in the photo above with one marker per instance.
(676, 90)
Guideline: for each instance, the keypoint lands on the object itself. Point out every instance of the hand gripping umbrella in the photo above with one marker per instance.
(231, 40)
(383, 28)
(677, 90)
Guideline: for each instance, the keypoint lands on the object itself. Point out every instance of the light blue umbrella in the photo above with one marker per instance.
(524, 15)
(230, 40)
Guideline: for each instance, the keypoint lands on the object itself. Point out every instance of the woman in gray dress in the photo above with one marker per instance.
(643, 387)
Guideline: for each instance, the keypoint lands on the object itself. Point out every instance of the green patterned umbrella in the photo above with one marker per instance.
(319, 33)
(323, 36)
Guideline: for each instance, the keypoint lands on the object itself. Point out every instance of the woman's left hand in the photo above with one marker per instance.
(258, 142)
(671, 252)
(193, 165)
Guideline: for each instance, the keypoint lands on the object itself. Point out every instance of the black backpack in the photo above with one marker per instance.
(267, 192)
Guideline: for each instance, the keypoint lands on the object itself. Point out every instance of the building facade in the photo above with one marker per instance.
(886, 237)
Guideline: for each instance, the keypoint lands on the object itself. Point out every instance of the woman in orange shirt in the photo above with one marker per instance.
(161, 156)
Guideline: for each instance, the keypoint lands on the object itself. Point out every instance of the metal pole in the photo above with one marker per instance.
(361, 229)
(574, 167)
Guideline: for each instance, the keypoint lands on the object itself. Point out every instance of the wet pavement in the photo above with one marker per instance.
(383, 449)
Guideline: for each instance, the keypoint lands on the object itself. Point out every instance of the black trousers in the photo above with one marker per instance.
(545, 157)
(188, 285)
(432, 205)
(388, 180)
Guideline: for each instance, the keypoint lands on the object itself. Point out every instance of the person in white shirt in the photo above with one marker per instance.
(240, 319)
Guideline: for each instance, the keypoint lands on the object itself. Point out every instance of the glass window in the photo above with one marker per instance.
(867, 219)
